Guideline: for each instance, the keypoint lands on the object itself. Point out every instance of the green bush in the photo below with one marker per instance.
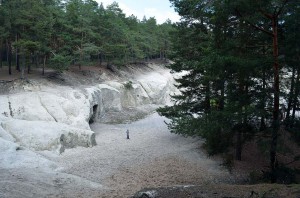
(59, 62)
(128, 85)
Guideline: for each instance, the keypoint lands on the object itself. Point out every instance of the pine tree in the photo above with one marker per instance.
(227, 49)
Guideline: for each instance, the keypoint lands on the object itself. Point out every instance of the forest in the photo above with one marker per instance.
(58, 33)
(241, 76)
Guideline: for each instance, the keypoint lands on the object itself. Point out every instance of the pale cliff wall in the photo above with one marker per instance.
(57, 117)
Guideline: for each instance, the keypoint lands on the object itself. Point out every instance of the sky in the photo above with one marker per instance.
(160, 9)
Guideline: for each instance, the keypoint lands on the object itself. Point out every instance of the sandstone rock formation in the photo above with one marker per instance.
(57, 117)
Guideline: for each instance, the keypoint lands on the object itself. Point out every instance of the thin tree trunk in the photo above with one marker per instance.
(222, 103)
(9, 56)
(6, 45)
(238, 150)
(29, 64)
(99, 60)
(207, 98)
(17, 56)
(238, 147)
(17, 60)
(36, 58)
(273, 149)
(291, 94)
(1, 53)
(295, 98)
(263, 103)
(22, 63)
(160, 54)
(80, 60)
(44, 64)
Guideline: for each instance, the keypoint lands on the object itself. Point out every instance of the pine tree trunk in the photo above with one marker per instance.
(1, 44)
(238, 146)
(44, 64)
(291, 97)
(207, 98)
(238, 150)
(295, 98)
(273, 149)
(17, 60)
(29, 65)
(222, 103)
(262, 124)
(9, 56)
(79, 65)
(22, 63)
(99, 59)
(160, 54)
(36, 58)
(263, 101)
(17, 56)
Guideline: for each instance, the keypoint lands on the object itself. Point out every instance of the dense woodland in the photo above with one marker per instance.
(58, 33)
(241, 61)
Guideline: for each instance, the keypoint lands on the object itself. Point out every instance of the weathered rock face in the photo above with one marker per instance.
(14, 156)
(42, 135)
(156, 86)
(58, 117)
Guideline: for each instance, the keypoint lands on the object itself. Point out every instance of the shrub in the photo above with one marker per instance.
(128, 85)
(59, 62)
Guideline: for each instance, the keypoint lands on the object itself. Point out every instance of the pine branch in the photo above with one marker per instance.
(267, 15)
(281, 8)
(253, 25)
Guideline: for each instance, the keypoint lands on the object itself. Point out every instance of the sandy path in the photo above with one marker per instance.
(152, 157)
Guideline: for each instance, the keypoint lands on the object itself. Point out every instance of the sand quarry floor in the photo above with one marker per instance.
(152, 157)
(118, 167)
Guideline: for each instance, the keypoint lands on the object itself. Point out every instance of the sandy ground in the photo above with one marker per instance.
(152, 157)
(118, 167)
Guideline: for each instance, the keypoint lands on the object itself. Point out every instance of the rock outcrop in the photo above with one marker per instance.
(57, 117)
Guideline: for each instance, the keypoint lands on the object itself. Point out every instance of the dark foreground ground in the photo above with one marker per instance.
(224, 191)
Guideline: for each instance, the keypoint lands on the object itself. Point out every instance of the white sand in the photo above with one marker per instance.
(152, 157)
(118, 167)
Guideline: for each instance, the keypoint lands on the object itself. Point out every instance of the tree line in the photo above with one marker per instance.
(241, 76)
(59, 33)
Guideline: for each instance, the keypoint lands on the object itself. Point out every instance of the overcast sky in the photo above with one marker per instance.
(160, 9)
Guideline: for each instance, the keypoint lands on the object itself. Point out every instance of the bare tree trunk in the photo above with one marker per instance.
(9, 56)
(17, 56)
(79, 65)
(36, 60)
(273, 149)
(44, 64)
(222, 102)
(100, 59)
(207, 98)
(263, 103)
(29, 64)
(161, 54)
(1, 45)
(22, 63)
(17, 60)
(295, 98)
(291, 94)
(238, 149)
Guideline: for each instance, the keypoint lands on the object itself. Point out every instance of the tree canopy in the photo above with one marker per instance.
(236, 58)
(35, 33)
